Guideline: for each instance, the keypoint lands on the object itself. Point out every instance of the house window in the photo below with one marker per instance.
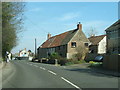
(58, 47)
(91, 51)
(60, 54)
(73, 44)
(86, 44)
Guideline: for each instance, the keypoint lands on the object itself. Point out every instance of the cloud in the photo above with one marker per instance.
(69, 16)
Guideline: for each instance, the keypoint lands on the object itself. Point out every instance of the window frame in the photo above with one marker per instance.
(73, 44)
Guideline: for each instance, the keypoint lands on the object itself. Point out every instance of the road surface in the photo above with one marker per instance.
(26, 74)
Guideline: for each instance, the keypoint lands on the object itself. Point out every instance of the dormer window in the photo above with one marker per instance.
(73, 44)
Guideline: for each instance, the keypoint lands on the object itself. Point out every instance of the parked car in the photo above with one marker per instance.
(98, 58)
(34, 59)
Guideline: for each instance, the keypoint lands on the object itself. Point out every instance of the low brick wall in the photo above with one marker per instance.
(111, 62)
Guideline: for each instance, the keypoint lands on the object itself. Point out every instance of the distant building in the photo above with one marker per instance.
(23, 53)
(113, 38)
(64, 44)
(98, 44)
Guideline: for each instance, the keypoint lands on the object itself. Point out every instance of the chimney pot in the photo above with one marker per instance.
(49, 35)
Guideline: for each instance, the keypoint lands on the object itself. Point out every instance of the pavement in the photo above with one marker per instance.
(26, 74)
(97, 69)
(1, 64)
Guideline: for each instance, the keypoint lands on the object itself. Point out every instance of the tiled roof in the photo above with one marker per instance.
(96, 39)
(115, 26)
(58, 40)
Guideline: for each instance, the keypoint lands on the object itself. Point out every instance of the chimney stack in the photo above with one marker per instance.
(49, 35)
(79, 26)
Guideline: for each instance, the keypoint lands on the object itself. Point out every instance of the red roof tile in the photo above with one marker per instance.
(96, 39)
(54, 41)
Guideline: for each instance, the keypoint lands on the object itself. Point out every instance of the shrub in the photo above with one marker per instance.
(62, 61)
(54, 56)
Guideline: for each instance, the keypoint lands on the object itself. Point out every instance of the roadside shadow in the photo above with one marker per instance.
(99, 72)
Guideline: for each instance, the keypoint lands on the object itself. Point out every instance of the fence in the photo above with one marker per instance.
(111, 62)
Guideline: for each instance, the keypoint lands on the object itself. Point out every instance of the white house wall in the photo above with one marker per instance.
(102, 46)
(22, 53)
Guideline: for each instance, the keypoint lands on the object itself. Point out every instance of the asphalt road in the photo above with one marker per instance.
(26, 74)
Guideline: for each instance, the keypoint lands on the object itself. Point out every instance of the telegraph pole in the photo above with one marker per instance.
(35, 47)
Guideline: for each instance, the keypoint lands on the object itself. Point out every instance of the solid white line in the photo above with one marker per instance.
(52, 72)
(70, 83)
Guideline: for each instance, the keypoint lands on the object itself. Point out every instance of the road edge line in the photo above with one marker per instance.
(70, 83)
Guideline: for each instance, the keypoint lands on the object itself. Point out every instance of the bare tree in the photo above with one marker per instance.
(82, 50)
(92, 32)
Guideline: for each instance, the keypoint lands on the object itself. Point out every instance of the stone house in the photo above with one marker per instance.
(98, 44)
(64, 44)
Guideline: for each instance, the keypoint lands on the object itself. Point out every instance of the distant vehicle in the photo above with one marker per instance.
(98, 58)
(34, 59)
(15, 58)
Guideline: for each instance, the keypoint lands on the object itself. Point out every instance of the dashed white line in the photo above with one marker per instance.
(70, 83)
(52, 72)
(35, 65)
(42, 68)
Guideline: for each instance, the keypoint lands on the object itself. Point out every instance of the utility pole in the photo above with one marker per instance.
(35, 47)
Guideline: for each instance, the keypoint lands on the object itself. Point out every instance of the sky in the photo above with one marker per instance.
(41, 18)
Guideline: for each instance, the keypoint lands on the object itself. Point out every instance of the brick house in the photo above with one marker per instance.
(113, 38)
(98, 44)
(64, 44)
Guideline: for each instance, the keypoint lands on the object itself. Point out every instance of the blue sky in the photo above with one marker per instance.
(42, 18)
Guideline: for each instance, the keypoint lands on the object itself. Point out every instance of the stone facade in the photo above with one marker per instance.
(64, 44)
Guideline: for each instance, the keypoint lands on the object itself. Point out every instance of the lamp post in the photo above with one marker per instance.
(35, 47)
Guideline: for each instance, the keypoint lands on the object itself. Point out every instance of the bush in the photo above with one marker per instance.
(71, 61)
(62, 61)
(54, 56)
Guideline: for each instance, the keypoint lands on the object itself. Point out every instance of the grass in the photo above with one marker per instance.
(1, 59)
(95, 64)
(75, 62)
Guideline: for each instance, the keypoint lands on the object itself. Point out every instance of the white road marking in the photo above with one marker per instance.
(52, 72)
(70, 83)
(42, 68)
(30, 64)
(35, 65)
